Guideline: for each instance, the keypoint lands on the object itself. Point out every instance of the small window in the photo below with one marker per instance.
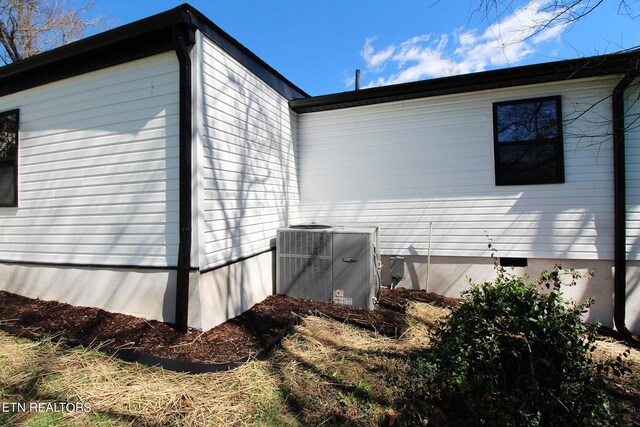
(9, 121)
(527, 138)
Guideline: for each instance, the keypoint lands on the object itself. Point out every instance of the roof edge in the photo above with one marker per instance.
(124, 32)
(617, 63)
(128, 42)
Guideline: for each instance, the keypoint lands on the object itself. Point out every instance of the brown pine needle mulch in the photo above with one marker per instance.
(251, 334)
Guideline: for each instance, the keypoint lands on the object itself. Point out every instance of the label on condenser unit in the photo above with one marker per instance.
(339, 298)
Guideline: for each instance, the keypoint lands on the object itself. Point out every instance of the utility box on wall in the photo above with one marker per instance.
(336, 264)
(396, 268)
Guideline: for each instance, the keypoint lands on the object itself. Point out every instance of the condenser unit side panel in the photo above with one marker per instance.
(305, 277)
(352, 274)
(304, 267)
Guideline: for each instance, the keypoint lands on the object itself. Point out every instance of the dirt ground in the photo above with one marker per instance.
(249, 335)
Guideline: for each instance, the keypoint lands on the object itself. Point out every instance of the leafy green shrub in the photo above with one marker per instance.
(516, 353)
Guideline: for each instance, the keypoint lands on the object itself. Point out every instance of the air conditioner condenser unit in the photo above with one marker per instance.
(329, 263)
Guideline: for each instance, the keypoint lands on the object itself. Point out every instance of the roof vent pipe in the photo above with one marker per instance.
(357, 79)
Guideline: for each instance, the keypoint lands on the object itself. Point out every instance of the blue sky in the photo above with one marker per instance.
(319, 44)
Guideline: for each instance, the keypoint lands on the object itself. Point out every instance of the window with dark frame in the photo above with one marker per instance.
(527, 138)
(9, 123)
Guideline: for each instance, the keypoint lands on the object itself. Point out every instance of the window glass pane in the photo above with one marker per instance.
(527, 162)
(7, 185)
(527, 121)
(8, 134)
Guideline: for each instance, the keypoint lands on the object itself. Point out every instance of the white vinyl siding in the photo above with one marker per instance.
(249, 171)
(632, 153)
(404, 164)
(98, 168)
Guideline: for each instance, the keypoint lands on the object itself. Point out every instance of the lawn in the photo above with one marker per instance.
(324, 372)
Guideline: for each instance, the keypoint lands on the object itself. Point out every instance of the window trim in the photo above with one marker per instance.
(558, 143)
(14, 204)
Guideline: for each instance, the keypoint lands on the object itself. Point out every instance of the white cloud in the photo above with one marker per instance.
(506, 42)
(348, 80)
(376, 60)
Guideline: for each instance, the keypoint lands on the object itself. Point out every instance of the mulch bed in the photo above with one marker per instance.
(253, 333)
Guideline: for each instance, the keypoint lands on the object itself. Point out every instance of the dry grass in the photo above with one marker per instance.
(159, 396)
(329, 336)
(611, 348)
(428, 314)
(336, 373)
(625, 390)
(151, 396)
(324, 372)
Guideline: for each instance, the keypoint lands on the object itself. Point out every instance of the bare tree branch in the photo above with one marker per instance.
(554, 13)
(29, 27)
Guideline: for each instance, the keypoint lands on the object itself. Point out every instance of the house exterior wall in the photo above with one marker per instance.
(450, 275)
(248, 165)
(402, 165)
(633, 296)
(221, 294)
(98, 169)
(632, 157)
(148, 293)
(98, 190)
